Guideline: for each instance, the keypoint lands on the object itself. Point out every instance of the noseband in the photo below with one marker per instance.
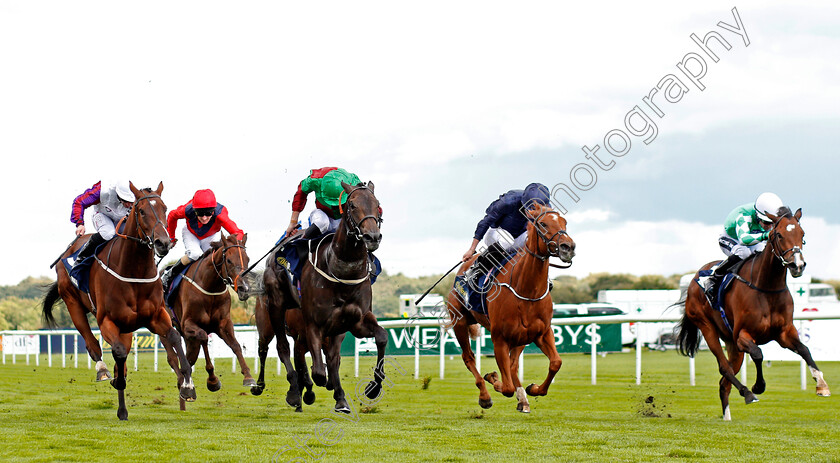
(774, 237)
(146, 239)
(234, 282)
(353, 227)
(551, 243)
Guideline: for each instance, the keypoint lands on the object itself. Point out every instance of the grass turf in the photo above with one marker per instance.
(60, 414)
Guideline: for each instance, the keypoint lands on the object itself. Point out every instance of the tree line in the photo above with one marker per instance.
(20, 305)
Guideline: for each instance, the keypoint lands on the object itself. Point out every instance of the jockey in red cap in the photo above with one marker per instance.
(205, 219)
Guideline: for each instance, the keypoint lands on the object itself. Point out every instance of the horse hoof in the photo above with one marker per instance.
(373, 390)
(343, 409)
(485, 404)
(491, 377)
(293, 400)
(256, 390)
(214, 386)
(530, 390)
(298, 409)
(758, 389)
(523, 408)
(823, 392)
(319, 379)
(118, 383)
(249, 382)
(104, 376)
(308, 397)
(122, 415)
(749, 398)
(188, 395)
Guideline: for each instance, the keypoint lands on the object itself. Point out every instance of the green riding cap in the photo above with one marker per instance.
(328, 189)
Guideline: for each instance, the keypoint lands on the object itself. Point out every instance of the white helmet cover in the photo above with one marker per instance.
(767, 203)
(123, 191)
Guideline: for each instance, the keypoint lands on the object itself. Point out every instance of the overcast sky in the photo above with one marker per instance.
(443, 105)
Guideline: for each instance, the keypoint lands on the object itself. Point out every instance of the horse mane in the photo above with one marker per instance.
(784, 211)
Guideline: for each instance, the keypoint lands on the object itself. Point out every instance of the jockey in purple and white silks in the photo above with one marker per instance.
(504, 226)
(111, 202)
(745, 233)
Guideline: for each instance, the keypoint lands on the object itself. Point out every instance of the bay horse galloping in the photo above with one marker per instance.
(758, 308)
(202, 304)
(519, 311)
(336, 295)
(125, 292)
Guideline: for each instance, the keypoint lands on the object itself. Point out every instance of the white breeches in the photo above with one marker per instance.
(324, 223)
(505, 240)
(196, 247)
(731, 246)
(104, 225)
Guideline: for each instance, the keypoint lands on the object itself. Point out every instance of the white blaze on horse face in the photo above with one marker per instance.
(791, 227)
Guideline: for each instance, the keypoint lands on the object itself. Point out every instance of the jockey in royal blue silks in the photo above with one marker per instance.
(508, 214)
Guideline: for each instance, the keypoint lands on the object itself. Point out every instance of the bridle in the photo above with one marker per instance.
(774, 237)
(233, 282)
(352, 226)
(551, 242)
(146, 238)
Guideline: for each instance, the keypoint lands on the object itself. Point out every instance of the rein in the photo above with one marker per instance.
(228, 281)
(353, 227)
(147, 240)
(773, 236)
(330, 276)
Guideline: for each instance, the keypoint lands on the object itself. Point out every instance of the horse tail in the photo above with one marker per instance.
(688, 337)
(50, 298)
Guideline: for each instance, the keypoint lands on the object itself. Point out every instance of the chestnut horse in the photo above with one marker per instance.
(758, 309)
(202, 304)
(335, 298)
(125, 292)
(519, 311)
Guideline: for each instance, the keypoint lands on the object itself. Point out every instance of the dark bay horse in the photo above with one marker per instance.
(519, 310)
(125, 292)
(292, 324)
(335, 298)
(202, 304)
(758, 308)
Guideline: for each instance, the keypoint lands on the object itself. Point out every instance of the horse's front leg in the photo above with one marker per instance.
(727, 371)
(265, 331)
(790, 340)
(333, 354)
(229, 337)
(161, 325)
(371, 328)
(502, 351)
(521, 397)
(319, 369)
(548, 346)
(213, 382)
(747, 344)
(120, 343)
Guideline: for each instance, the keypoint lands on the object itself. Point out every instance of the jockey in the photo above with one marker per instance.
(326, 183)
(111, 203)
(205, 219)
(504, 214)
(745, 233)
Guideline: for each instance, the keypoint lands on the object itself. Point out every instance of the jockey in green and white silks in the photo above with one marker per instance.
(745, 233)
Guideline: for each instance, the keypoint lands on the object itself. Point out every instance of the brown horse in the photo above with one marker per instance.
(759, 309)
(519, 309)
(202, 304)
(125, 292)
(298, 377)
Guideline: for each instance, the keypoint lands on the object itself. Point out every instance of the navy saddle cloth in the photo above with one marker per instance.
(475, 297)
(172, 291)
(294, 254)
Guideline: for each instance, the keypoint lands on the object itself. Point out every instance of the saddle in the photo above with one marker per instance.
(474, 294)
(716, 301)
(292, 256)
(79, 271)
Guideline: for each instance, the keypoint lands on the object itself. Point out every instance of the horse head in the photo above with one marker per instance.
(361, 206)
(230, 260)
(787, 239)
(550, 228)
(148, 214)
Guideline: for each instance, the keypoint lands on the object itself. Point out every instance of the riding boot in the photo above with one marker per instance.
(90, 247)
(717, 275)
(170, 272)
(312, 232)
(487, 260)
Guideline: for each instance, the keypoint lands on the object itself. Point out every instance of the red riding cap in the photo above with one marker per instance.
(203, 199)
